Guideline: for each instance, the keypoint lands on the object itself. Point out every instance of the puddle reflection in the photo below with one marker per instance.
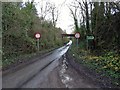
(65, 78)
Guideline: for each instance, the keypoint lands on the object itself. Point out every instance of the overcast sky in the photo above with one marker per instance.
(65, 21)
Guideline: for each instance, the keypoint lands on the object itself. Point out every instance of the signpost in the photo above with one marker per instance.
(90, 37)
(77, 36)
(37, 36)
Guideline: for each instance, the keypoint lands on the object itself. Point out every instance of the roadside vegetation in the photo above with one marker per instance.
(102, 21)
(107, 65)
(20, 22)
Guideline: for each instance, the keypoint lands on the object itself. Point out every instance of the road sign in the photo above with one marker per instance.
(90, 37)
(37, 35)
(77, 35)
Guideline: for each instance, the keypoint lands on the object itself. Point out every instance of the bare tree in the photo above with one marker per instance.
(45, 9)
(49, 11)
(74, 15)
(55, 13)
(83, 9)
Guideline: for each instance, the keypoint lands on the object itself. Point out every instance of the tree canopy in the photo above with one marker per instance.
(20, 22)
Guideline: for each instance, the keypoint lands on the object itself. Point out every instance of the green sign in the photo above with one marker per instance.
(90, 37)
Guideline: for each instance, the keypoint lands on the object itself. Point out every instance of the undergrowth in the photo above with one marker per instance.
(108, 64)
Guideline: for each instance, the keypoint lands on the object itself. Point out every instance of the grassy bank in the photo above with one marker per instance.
(107, 64)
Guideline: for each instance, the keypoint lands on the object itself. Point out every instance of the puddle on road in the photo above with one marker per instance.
(65, 78)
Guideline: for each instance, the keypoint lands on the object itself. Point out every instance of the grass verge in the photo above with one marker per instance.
(107, 64)
(21, 58)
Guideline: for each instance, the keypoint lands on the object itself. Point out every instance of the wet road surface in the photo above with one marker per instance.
(32, 75)
(51, 71)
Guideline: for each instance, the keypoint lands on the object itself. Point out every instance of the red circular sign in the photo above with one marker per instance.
(77, 35)
(37, 35)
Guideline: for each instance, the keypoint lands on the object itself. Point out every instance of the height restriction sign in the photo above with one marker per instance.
(37, 35)
(77, 35)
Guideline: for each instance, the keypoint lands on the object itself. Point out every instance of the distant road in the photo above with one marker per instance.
(32, 75)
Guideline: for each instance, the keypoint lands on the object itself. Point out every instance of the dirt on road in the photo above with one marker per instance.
(56, 70)
(65, 76)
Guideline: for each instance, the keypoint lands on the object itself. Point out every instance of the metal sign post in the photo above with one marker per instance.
(38, 44)
(37, 36)
(77, 42)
